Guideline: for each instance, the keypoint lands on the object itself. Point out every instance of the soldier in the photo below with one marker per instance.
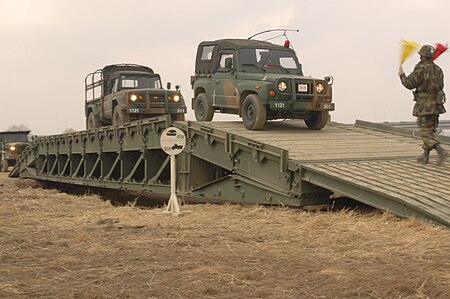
(428, 81)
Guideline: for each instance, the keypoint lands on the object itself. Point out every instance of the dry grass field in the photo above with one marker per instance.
(56, 245)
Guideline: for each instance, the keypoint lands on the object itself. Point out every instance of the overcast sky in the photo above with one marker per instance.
(48, 46)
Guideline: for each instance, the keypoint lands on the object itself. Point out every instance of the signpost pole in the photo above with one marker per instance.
(173, 205)
(172, 142)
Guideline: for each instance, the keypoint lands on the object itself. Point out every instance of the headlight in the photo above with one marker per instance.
(320, 88)
(176, 98)
(133, 97)
(12, 148)
(282, 86)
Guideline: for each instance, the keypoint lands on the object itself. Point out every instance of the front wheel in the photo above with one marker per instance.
(120, 116)
(253, 112)
(92, 121)
(316, 120)
(203, 110)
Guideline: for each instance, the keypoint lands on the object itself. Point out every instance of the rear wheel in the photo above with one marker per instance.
(120, 116)
(316, 120)
(203, 110)
(253, 112)
(92, 121)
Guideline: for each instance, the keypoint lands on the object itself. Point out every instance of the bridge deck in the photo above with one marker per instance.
(370, 163)
(285, 163)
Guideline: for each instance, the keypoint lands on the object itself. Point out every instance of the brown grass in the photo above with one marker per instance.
(56, 245)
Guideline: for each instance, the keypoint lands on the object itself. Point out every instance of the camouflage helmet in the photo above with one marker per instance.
(426, 51)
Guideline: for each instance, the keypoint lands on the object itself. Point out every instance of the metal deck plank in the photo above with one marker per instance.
(347, 170)
(333, 142)
(373, 197)
(384, 181)
(341, 174)
(428, 180)
(409, 184)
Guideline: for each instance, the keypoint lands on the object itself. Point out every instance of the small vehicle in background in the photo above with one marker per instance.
(10, 154)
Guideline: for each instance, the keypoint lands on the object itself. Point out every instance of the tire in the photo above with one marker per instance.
(92, 121)
(120, 116)
(177, 117)
(253, 112)
(316, 120)
(203, 110)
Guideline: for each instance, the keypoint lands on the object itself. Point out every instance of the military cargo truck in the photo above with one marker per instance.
(259, 81)
(119, 93)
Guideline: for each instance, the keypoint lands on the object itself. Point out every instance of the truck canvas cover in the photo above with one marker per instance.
(208, 65)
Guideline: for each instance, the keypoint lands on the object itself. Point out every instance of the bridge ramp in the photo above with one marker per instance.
(371, 163)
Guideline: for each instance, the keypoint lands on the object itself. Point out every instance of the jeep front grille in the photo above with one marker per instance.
(303, 90)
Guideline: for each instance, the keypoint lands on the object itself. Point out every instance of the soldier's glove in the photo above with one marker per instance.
(400, 71)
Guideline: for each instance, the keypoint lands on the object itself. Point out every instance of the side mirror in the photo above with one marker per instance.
(329, 80)
(177, 87)
(169, 85)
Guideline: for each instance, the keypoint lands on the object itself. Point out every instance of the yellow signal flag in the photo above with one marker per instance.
(408, 47)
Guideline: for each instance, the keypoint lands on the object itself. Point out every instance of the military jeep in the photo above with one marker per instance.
(259, 81)
(117, 94)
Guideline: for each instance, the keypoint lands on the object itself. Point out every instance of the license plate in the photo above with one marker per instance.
(303, 88)
(135, 110)
(279, 105)
(328, 106)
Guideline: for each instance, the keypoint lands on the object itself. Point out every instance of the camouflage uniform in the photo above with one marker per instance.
(428, 81)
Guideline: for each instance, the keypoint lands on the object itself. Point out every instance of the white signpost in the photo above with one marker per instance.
(173, 142)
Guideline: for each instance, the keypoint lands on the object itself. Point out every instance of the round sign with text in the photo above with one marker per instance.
(173, 141)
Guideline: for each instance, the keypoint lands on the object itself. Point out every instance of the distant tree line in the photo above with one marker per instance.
(20, 127)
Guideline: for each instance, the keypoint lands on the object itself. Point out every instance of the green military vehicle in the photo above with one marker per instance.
(119, 93)
(259, 81)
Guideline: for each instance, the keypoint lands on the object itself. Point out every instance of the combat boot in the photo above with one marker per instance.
(442, 154)
(424, 157)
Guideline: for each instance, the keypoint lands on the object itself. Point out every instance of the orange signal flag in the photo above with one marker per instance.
(440, 48)
(409, 47)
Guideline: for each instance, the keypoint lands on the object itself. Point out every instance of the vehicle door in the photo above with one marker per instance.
(224, 80)
(110, 93)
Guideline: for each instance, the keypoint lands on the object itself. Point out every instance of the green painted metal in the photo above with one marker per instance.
(285, 164)
(414, 133)
(402, 186)
(221, 165)
(119, 157)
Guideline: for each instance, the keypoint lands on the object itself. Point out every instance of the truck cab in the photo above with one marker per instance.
(259, 81)
(117, 94)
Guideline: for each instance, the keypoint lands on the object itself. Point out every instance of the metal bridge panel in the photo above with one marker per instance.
(285, 162)
(401, 186)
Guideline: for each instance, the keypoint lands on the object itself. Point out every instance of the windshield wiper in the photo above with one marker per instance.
(251, 64)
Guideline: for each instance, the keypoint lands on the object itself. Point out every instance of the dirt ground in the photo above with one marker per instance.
(56, 245)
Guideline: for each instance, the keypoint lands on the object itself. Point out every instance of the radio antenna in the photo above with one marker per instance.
(272, 30)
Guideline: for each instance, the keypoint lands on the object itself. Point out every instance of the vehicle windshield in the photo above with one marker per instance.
(269, 59)
(141, 81)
